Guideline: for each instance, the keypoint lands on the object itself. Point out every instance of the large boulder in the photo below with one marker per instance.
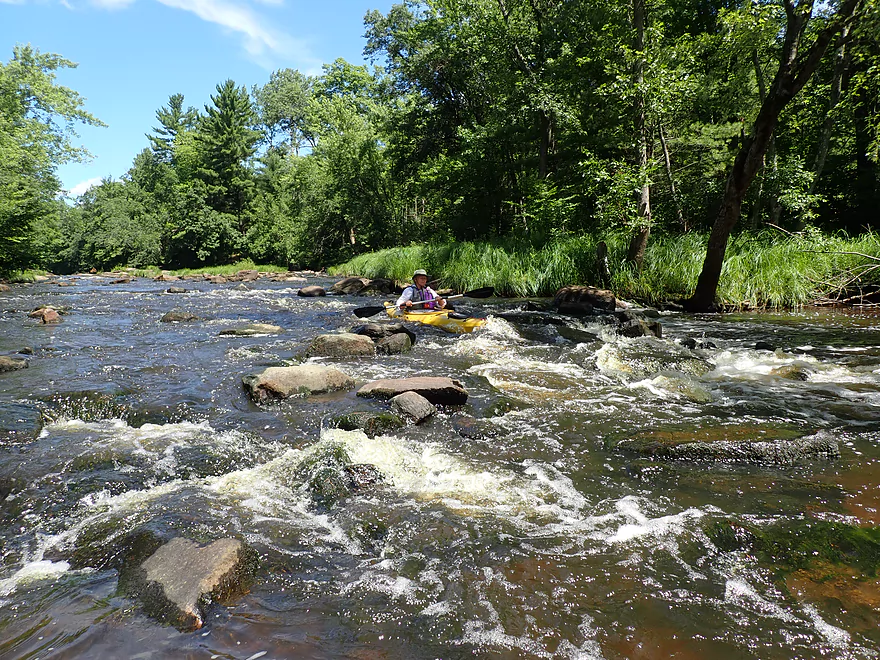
(216, 279)
(381, 286)
(5, 287)
(394, 345)
(349, 286)
(413, 405)
(182, 576)
(299, 380)
(437, 390)
(12, 364)
(311, 291)
(344, 344)
(583, 300)
(630, 323)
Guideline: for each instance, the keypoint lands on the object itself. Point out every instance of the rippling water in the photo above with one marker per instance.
(533, 539)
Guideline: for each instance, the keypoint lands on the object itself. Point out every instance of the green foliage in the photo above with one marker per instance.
(763, 269)
(32, 145)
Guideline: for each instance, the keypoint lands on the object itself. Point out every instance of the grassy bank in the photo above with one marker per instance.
(762, 269)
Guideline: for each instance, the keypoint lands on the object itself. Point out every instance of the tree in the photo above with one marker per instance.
(227, 142)
(799, 59)
(283, 107)
(173, 120)
(37, 119)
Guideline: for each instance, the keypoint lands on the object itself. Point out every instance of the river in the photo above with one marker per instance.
(532, 537)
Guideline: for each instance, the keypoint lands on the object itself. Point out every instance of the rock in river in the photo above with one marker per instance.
(300, 380)
(437, 390)
(181, 575)
(345, 344)
(413, 405)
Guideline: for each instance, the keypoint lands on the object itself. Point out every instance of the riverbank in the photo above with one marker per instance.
(763, 270)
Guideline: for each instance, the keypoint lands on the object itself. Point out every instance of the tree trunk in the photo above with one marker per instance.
(795, 69)
(639, 242)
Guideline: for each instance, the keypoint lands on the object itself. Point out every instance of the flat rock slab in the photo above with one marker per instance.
(413, 405)
(253, 329)
(300, 380)
(437, 390)
(181, 576)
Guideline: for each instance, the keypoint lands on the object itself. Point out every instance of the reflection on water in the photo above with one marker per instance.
(528, 536)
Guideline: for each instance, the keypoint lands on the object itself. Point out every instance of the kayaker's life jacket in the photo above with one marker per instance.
(420, 295)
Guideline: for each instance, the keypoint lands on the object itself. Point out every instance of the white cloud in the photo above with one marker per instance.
(81, 187)
(112, 4)
(260, 41)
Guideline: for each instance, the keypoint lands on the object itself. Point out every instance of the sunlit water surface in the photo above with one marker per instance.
(534, 539)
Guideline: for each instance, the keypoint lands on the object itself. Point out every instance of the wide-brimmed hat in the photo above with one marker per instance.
(419, 272)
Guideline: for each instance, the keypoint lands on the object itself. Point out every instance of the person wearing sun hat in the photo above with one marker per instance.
(419, 294)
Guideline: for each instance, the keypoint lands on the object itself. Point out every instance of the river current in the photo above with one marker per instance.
(510, 527)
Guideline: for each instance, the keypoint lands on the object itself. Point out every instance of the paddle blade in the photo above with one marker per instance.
(363, 312)
(485, 292)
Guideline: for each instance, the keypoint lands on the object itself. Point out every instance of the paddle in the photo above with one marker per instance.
(485, 292)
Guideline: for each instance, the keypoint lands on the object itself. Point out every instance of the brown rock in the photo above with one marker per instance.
(350, 285)
(182, 574)
(312, 291)
(300, 380)
(437, 390)
(12, 364)
(583, 299)
(345, 344)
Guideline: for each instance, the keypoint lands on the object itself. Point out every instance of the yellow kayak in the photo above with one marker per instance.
(439, 318)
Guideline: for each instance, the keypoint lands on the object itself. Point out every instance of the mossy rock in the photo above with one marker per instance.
(793, 545)
(371, 423)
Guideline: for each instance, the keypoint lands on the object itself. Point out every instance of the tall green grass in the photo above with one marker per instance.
(761, 269)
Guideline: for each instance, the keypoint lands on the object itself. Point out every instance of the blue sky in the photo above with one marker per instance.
(133, 54)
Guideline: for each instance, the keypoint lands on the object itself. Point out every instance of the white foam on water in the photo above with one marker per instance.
(739, 592)
(674, 387)
(835, 636)
(589, 650)
(34, 571)
(642, 526)
(747, 364)
(426, 472)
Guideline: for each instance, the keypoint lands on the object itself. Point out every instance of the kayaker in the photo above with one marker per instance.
(419, 291)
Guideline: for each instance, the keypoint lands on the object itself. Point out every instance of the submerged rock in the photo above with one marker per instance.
(300, 380)
(19, 423)
(437, 390)
(791, 372)
(178, 317)
(735, 445)
(413, 405)
(344, 344)
(181, 577)
(253, 329)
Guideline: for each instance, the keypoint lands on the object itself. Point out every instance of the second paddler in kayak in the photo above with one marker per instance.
(419, 296)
